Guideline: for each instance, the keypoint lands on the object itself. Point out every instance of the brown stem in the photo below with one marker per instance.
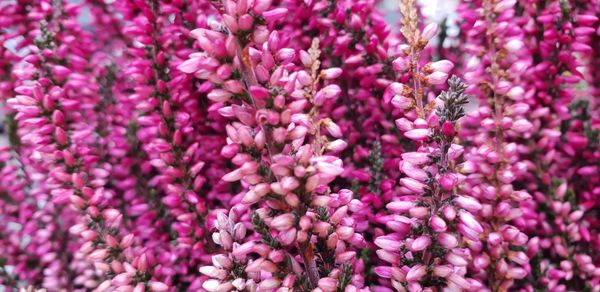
(310, 265)
(493, 280)
(417, 82)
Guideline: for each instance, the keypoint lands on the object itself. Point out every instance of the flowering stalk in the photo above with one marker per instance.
(358, 41)
(422, 251)
(493, 163)
(27, 206)
(423, 248)
(560, 42)
(165, 123)
(279, 150)
(50, 118)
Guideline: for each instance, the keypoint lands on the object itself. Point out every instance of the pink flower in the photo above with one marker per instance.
(430, 31)
(437, 78)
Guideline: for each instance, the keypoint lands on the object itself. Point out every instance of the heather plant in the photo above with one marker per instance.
(266, 145)
(492, 162)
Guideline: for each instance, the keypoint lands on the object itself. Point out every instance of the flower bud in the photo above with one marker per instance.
(421, 243)
(437, 78)
(437, 224)
(416, 273)
(430, 31)
(418, 134)
(327, 284)
(331, 73)
(442, 66)
(283, 222)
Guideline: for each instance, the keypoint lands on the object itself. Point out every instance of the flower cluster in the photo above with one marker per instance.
(494, 70)
(262, 145)
(562, 239)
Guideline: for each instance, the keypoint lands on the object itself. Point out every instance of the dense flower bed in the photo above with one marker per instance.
(287, 145)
